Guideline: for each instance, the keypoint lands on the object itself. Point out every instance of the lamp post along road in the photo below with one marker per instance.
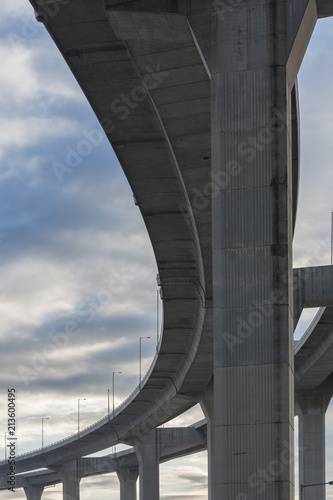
(315, 484)
(157, 319)
(113, 373)
(43, 418)
(140, 352)
(78, 415)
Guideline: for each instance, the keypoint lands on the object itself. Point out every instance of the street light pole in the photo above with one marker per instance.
(157, 320)
(140, 349)
(315, 484)
(108, 404)
(5, 445)
(78, 416)
(43, 418)
(113, 393)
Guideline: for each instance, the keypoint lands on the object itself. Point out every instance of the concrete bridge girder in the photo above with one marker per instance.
(234, 63)
(173, 442)
(313, 287)
(325, 8)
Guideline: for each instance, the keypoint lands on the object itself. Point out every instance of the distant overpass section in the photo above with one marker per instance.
(313, 376)
(199, 101)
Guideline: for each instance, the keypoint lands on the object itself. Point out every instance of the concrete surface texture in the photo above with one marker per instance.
(204, 121)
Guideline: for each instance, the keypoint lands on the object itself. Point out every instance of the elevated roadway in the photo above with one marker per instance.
(173, 443)
(155, 111)
(172, 104)
(313, 375)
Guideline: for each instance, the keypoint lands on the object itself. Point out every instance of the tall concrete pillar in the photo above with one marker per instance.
(33, 492)
(247, 47)
(70, 477)
(127, 479)
(311, 410)
(148, 455)
(207, 405)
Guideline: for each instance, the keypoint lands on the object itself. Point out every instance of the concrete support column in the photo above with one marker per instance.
(252, 262)
(127, 479)
(311, 410)
(70, 477)
(33, 492)
(207, 405)
(148, 455)
(246, 47)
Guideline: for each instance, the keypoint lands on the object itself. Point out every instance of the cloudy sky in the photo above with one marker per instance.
(75, 256)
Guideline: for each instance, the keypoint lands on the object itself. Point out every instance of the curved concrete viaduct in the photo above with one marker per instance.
(172, 443)
(199, 102)
(313, 391)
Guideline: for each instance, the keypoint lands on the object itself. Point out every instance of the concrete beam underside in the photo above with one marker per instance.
(313, 287)
(252, 226)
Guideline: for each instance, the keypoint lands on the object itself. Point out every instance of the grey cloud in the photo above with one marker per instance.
(195, 478)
